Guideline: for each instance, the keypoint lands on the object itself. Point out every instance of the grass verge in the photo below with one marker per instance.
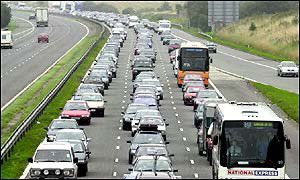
(12, 25)
(18, 110)
(238, 46)
(15, 165)
(287, 101)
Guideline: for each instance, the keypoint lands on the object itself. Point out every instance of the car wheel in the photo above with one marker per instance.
(213, 172)
(89, 122)
(102, 113)
(130, 159)
(84, 170)
(38, 41)
(161, 97)
(165, 137)
(47, 41)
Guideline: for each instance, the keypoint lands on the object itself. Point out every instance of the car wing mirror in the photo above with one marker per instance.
(122, 113)
(287, 142)
(30, 160)
(167, 142)
(211, 60)
(46, 128)
(88, 152)
(130, 169)
(128, 141)
(105, 101)
(167, 124)
(171, 155)
(175, 170)
(60, 108)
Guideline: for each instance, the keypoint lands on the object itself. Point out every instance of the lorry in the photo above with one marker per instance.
(6, 39)
(41, 17)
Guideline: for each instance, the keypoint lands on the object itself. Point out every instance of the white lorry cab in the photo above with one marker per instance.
(6, 39)
(53, 160)
(133, 20)
(248, 142)
(164, 25)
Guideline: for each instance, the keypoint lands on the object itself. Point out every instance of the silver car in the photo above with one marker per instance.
(287, 68)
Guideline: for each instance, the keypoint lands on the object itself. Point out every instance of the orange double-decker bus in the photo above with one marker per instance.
(193, 58)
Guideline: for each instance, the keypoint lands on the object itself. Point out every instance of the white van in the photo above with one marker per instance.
(164, 25)
(6, 39)
(133, 20)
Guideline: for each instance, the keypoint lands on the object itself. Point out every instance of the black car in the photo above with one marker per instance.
(129, 114)
(140, 66)
(96, 88)
(93, 80)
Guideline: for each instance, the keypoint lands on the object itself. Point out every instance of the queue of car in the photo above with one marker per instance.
(148, 152)
(65, 151)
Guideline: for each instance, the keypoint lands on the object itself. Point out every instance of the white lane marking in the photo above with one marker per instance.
(181, 129)
(32, 29)
(178, 122)
(176, 114)
(170, 92)
(124, 96)
(115, 174)
(116, 160)
(21, 92)
(187, 149)
(170, 88)
(117, 147)
(287, 177)
(171, 97)
(120, 128)
(123, 101)
(26, 171)
(120, 120)
(236, 56)
(174, 107)
(192, 161)
(11, 70)
(196, 175)
(125, 87)
(119, 137)
(123, 107)
(172, 102)
(184, 138)
(217, 90)
(233, 74)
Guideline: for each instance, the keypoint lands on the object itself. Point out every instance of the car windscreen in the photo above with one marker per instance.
(142, 151)
(207, 94)
(75, 106)
(193, 89)
(53, 156)
(145, 100)
(147, 139)
(92, 97)
(150, 165)
(63, 125)
(70, 135)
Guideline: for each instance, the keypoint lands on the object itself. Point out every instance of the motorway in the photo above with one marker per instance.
(109, 158)
(28, 59)
(247, 65)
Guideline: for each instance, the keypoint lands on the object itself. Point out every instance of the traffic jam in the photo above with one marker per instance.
(222, 126)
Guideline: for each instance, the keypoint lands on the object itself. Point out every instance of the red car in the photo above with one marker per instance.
(43, 37)
(174, 44)
(190, 94)
(78, 110)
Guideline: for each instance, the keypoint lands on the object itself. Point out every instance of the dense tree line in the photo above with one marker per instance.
(165, 7)
(197, 11)
(5, 15)
(128, 10)
(250, 8)
(101, 7)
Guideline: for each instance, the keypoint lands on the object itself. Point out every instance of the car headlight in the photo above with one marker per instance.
(35, 172)
(57, 172)
(46, 172)
(69, 172)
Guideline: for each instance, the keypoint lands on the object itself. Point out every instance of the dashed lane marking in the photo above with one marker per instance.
(115, 174)
(196, 175)
(192, 161)
(187, 149)
(116, 160)
(184, 138)
(181, 129)
(119, 137)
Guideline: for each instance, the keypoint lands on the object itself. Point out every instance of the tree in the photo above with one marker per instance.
(128, 11)
(197, 14)
(5, 15)
(165, 7)
(178, 8)
(252, 27)
(102, 7)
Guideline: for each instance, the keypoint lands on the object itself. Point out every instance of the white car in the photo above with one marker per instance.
(157, 84)
(288, 68)
(53, 160)
(95, 102)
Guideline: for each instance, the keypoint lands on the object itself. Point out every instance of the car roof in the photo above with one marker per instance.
(54, 145)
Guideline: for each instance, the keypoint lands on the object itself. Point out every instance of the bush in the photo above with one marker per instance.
(128, 11)
(252, 27)
(5, 15)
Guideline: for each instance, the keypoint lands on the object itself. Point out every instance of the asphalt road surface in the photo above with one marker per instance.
(109, 158)
(28, 59)
(247, 65)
